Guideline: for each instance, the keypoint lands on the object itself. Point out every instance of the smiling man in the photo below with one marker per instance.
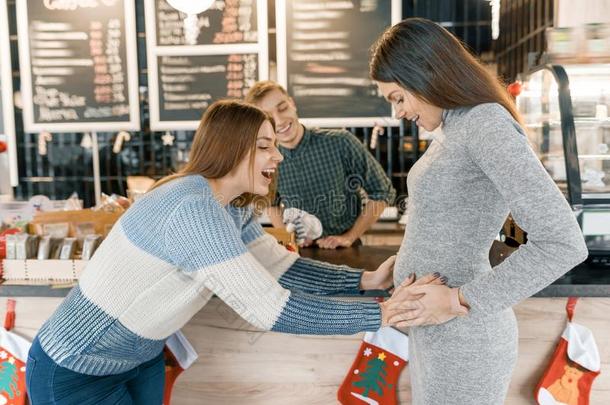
(325, 172)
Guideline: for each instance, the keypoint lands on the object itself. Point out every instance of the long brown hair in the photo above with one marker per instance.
(226, 134)
(428, 61)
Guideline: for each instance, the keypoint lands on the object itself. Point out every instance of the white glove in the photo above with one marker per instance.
(306, 225)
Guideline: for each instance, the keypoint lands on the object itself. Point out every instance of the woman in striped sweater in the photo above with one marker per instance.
(192, 236)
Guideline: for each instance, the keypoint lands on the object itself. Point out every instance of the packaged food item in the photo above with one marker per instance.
(58, 230)
(21, 240)
(112, 203)
(597, 39)
(562, 41)
(90, 244)
(11, 247)
(44, 248)
(68, 248)
(3, 236)
(48, 248)
(73, 203)
(15, 214)
(82, 229)
(26, 246)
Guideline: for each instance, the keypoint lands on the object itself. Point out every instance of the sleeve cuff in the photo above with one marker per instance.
(372, 317)
(352, 281)
(380, 197)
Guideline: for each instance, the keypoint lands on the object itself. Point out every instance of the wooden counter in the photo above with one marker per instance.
(362, 257)
(239, 365)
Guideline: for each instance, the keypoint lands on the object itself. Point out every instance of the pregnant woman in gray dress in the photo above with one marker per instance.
(478, 168)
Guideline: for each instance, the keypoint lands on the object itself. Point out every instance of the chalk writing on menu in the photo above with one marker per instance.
(327, 57)
(189, 84)
(78, 58)
(225, 22)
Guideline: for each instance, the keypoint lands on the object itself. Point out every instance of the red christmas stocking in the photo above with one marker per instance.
(13, 355)
(179, 355)
(373, 377)
(574, 366)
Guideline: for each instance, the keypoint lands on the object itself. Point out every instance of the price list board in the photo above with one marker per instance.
(223, 59)
(7, 120)
(226, 22)
(189, 84)
(323, 58)
(78, 63)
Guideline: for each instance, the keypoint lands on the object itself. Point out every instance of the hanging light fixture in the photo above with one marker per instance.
(191, 8)
(495, 18)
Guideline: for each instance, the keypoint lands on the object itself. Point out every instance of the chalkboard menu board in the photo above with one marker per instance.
(224, 59)
(190, 84)
(226, 22)
(7, 124)
(323, 56)
(78, 65)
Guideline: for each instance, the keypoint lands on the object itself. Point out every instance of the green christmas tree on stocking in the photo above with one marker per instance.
(8, 378)
(374, 376)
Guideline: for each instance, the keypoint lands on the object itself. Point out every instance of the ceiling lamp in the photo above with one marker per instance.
(191, 8)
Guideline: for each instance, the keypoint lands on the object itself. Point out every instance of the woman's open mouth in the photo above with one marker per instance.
(268, 173)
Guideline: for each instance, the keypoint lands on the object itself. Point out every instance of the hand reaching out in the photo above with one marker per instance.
(380, 279)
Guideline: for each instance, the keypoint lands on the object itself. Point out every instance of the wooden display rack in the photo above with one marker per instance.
(284, 238)
(26, 271)
(101, 220)
(65, 271)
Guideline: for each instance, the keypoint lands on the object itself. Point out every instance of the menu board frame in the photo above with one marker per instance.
(6, 78)
(282, 73)
(30, 125)
(153, 51)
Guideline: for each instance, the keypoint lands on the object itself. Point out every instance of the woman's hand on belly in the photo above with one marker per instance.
(400, 304)
(431, 304)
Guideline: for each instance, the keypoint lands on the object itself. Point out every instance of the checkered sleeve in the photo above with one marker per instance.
(365, 170)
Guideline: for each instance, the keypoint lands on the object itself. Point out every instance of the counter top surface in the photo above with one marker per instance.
(583, 281)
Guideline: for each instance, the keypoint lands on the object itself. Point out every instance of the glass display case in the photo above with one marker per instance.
(566, 112)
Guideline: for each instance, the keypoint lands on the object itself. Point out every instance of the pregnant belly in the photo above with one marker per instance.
(458, 267)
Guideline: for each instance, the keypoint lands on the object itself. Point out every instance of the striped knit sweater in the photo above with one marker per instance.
(162, 262)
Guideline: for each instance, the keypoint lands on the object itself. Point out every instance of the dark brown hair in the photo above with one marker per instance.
(428, 61)
(260, 89)
(226, 133)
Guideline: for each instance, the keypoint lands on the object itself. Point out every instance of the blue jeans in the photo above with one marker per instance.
(48, 383)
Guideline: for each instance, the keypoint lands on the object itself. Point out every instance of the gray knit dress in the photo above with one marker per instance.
(460, 192)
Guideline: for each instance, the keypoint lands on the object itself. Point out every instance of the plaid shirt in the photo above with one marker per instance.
(326, 175)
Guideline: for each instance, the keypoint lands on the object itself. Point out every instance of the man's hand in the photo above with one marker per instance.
(333, 242)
